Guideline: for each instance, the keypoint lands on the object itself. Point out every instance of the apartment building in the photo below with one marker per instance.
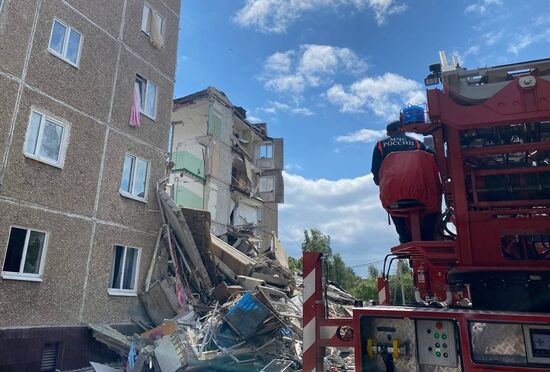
(228, 166)
(85, 110)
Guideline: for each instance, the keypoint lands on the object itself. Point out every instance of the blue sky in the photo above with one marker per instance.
(327, 76)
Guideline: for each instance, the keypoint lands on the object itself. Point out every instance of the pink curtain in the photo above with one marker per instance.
(136, 105)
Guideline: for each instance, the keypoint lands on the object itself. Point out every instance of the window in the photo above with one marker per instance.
(147, 96)
(125, 271)
(65, 43)
(153, 25)
(25, 255)
(135, 173)
(266, 151)
(259, 214)
(266, 184)
(45, 139)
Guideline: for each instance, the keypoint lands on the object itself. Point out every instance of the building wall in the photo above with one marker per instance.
(79, 205)
(208, 118)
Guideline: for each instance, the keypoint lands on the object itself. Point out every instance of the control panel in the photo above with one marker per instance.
(436, 344)
(537, 343)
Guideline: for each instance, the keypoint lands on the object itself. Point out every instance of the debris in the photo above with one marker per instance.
(160, 301)
(247, 315)
(237, 261)
(220, 304)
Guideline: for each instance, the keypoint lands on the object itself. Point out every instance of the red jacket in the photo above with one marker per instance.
(411, 175)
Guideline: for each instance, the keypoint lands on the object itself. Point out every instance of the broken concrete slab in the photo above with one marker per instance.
(249, 283)
(237, 261)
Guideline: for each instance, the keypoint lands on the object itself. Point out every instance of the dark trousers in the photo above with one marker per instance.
(428, 227)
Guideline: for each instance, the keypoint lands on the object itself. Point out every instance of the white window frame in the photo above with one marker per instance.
(133, 180)
(62, 56)
(265, 145)
(144, 24)
(9, 275)
(146, 91)
(62, 147)
(120, 291)
(272, 178)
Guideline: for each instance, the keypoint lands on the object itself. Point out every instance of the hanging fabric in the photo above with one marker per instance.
(156, 30)
(136, 107)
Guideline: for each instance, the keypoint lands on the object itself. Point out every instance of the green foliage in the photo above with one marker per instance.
(295, 264)
(316, 241)
(364, 289)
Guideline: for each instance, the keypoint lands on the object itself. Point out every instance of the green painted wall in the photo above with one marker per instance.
(185, 161)
(215, 124)
(187, 199)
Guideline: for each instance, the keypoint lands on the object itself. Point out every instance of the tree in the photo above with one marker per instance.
(373, 271)
(365, 290)
(337, 271)
(295, 264)
(316, 241)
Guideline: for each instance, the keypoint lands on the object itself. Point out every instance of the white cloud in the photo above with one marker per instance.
(492, 37)
(383, 95)
(362, 135)
(349, 210)
(274, 107)
(384, 8)
(274, 16)
(253, 119)
(289, 167)
(523, 42)
(310, 66)
(482, 6)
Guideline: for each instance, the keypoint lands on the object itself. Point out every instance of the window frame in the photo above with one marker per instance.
(127, 194)
(142, 107)
(64, 139)
(152, 10)
(270, 152)
(121, 291)
(10, 275)
(272, 178)
(62, 55)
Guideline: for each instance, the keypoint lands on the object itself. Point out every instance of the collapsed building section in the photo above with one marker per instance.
(225, 165)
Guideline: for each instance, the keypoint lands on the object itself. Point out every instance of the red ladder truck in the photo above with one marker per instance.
(482, 294)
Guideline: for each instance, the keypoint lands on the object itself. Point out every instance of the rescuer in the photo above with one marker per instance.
(405, 170)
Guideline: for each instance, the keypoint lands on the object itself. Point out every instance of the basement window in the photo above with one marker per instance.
(65, 43)
(125, 271)
(48, 362)
(135, 175)
(25, 255)
(45, 140)
(147, 91)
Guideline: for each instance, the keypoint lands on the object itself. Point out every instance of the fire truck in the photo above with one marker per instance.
(482, 292)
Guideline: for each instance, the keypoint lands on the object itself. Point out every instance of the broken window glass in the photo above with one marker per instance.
(125, 263)
(25, 251)
(65, 42)
(134, 177)
(45, 139)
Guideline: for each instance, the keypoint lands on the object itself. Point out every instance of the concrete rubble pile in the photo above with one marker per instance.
(214, 307)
